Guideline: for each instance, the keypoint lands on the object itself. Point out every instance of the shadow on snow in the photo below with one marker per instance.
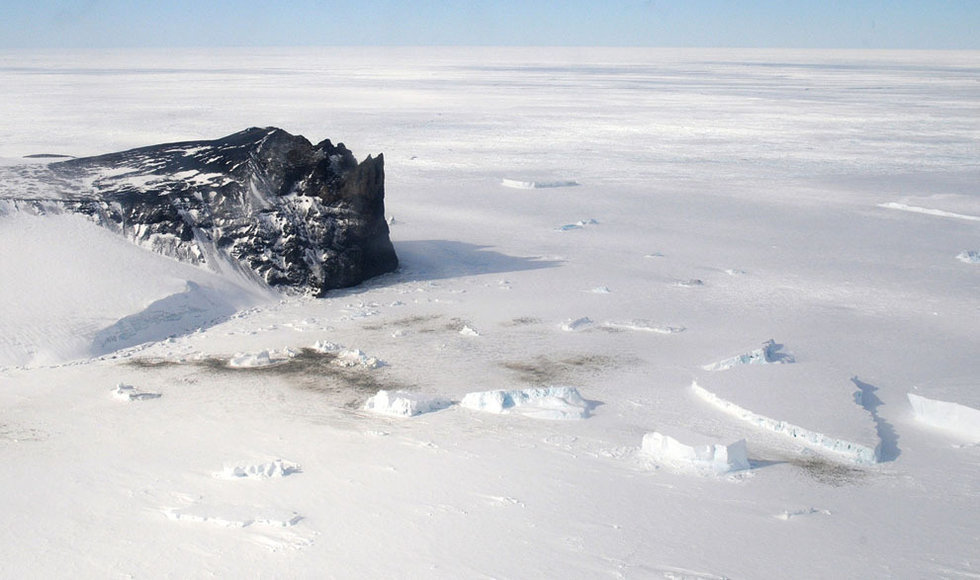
(442, 259)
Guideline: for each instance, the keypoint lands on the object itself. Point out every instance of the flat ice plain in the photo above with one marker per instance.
(739, 196)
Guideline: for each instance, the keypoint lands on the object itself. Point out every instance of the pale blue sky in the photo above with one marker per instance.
(939, 24)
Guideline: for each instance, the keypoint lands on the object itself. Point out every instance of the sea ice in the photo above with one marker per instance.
(270, 469)
(767, 354)
(468, 331)
(251, 360)
(787, 515)
(403, 404)
(952, 417)
(571, 325)
(131, 393)
(354, 358)
(715, 458)
(928, 211)
(577, 225)
(558, 402)
(526, 184)
(323, 347)
(854, 452)
(969, 256)
(644, 326)
(232, 516)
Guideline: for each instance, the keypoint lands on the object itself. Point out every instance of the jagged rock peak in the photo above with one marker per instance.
(295, 215)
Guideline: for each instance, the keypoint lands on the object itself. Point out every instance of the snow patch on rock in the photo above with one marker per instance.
(767, 354)
(953, 417)
(849, 450)
(713, 458)
(403, 404)
(557, 402)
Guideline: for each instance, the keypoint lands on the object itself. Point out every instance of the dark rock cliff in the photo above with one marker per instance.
(271, 205)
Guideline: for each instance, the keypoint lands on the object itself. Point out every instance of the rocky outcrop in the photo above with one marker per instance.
(297, 216)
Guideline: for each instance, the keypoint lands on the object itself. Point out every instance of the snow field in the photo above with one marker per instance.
(701, 157)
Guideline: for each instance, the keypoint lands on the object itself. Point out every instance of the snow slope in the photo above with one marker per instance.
(74, 290)
(724, 198)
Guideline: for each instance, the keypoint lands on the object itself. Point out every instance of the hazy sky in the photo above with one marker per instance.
(700, 23)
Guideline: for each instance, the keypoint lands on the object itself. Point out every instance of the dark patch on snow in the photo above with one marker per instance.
(544, 370)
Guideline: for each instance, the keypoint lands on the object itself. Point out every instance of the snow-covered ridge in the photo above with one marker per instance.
(853, 452)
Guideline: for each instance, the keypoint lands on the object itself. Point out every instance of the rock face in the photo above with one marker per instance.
(271, 205)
